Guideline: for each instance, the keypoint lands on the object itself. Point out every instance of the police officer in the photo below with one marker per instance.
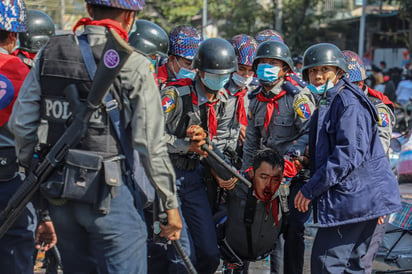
(111, 240)
(276, 119)
(351, 182)
(150, 39)
(17, 245)
(357, 75)
(184, 42)
(40, 28)
(193, 111)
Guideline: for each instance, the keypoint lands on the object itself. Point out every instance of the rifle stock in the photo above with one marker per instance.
(74, 133)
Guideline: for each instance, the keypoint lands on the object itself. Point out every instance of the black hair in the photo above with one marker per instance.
(4, 35)
(100, 11)
(270, 156)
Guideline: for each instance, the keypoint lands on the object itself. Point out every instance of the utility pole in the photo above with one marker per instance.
(204, 19)
(62, 12)
(362, 30)
(278, 15)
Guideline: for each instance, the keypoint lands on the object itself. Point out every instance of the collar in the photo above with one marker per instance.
(275, 90)
(232, 88)
(4, 51)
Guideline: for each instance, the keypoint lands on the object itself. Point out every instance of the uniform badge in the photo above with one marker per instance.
(301, 107)
(152, 68)
(169, 101)
(383, 117)
(6, 92)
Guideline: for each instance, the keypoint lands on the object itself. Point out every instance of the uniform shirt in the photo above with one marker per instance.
(286, 131)
(386, 121)
(143, 114)
(173, 110)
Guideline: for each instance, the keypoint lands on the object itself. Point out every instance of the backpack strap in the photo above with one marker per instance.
(248, 218)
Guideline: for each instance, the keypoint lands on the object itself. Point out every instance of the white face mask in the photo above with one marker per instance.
(241, 81)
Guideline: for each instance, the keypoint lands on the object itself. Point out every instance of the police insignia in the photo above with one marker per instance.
(151, 67)
(301, 107)
(383, 117)
(169, 101)
(6, 92)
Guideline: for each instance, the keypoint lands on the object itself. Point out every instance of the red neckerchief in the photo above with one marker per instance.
(241, 112)
(26, 54)
(212, 114)
(182, 83)
(162, 74)
(271, 104)
(288, 171)
(380, 96)
(108, 23)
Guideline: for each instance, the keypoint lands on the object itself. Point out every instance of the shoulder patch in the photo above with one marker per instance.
(301, 106)
(383, 117)
(152, 68)
(6, 92)
(169, 101)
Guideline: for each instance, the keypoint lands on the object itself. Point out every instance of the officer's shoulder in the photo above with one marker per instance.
(293, 85)
(252, 94)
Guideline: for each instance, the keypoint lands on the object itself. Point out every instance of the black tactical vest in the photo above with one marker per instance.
(61, 64)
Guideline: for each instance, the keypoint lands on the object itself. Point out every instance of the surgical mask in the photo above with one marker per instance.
(267, 73)
(322, 88)
(154, 61)
(241, 81)
(184, 72)
(214, 81)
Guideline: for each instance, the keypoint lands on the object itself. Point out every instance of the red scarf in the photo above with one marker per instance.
(380, 96)
(271, 104)
(212, 125)
(241, 112)
(108, 23)
(288, 171)
(29, 55)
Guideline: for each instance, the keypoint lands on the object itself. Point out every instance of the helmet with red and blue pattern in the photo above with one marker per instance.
(245, 48)
(184, 41)
(356, 70)
(120, 4)
(268, 35)
(13, 15)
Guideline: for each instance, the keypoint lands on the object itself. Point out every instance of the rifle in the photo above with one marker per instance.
(114, 56)
(218, 164)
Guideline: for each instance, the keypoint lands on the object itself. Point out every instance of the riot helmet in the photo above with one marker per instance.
(245, 48)
(356, 70)
(120, 4)
(149, 38)
(40, 28)
(273, 49)
(184, 42)
(13, 16)
(215, 55)
(268, 35)
(323, 54)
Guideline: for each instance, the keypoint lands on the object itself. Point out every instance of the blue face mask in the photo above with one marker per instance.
(184, 72)
(267, 73)
(214, 81)
(320, 89)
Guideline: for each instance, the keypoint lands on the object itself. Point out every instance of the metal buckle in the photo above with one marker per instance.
(112, 104)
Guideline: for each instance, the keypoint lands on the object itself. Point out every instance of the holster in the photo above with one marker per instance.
(8, 164)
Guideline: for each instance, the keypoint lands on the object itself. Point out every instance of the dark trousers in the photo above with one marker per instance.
(339, 249)
(294, 248)
(198, 216)
(17, 245)
(376, 241)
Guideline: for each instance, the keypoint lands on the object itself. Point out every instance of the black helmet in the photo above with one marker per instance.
(323, 54)
(215, 55)
(39, 29)
(149, 38)
(273, 49)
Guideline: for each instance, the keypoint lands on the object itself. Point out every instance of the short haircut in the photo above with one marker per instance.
(270, 156)
(4, 35)
(100, 11)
